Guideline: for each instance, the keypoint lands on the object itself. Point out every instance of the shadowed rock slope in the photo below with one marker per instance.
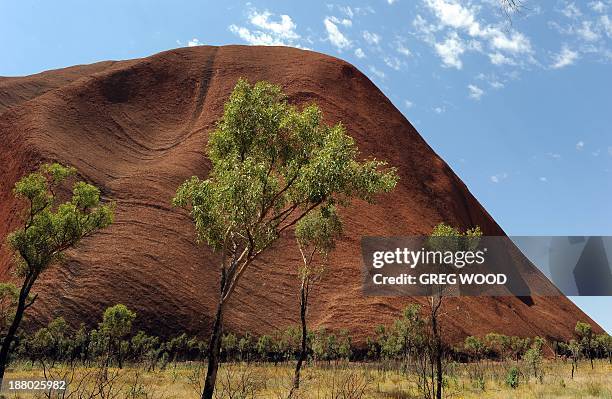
(137, 129)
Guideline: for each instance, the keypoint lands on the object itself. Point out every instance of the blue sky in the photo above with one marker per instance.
(520, 110)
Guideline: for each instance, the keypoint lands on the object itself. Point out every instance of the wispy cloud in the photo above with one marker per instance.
(475, 92)
(335, 37)
(499, 177)
(580, 145)
(194, 42)
(393, 62)
(450, 51)
(378, 73)
(503, 45)
(571, 11)
(400, 48)
(598, 6)
(564, 58)
(267, 29)
(408, 104)
(371, 38)
(359, 53)
(439, 109)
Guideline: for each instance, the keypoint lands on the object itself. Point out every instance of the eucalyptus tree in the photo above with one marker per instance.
(444, 238)
(49, 228)
(271, 165)
(316, 236)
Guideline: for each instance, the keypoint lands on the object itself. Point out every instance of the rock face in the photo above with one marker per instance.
(137, 129)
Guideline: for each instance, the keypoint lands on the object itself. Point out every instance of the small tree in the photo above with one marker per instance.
(410, 330)
(574, 350)
(475, 347)
(271, 166)
(604, 343)
(444, 238)
(264, 347)
(49, 229)
(316, 234)
(533, 357)
(115, 326)
(584, 332)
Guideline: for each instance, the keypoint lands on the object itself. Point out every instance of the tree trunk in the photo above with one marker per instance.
(436, 303)
(303, 349)
(214, 347)
(438, 358)
(12, 331)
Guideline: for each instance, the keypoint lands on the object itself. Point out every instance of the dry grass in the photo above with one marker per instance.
(343, 381)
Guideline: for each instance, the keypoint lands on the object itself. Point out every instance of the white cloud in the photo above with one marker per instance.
(344, 21)
(606, 24)
(284, 28)
(257, 38)
(391, 1)
(348, 11)
(359, 53)
(543, 179)
(393, 63)
(371, 38)
(554, 155)
(492, 79)
(334, 35)
(408, 104)
(440, 109)
(596, 152)
(454, 17)
(498, 58)
(516, 43)
(564, 58)
(586, 31)
(571, 11)
(377, 72)
(598, 6)
(269, 31)
(475, 92)
(194, 42)
(403, 50)
(580, 145)
(450, 50)
(499, 177)
(453, 14)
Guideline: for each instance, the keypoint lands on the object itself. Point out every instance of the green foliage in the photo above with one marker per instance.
(271, 165)
(320, 229)
(229, 344)
(117, 322)
(9, 295)
(264, 346)
(52, 341)
(475, 347)
(245, 346)
(513, 377)
(497, 345)
(405, 337)
(533, 357)
(448, 238)
(51, 227)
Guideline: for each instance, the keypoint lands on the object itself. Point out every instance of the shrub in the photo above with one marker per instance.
(512, 379)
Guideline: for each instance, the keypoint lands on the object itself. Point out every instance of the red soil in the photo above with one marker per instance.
(137, 129)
